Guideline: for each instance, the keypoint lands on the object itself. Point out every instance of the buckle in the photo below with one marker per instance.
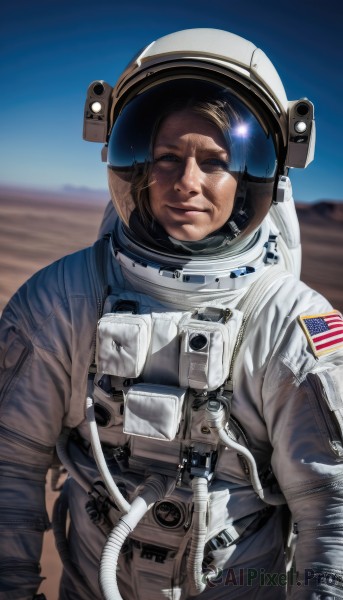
(224, 539)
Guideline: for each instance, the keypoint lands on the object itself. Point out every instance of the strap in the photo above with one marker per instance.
(252, 304)
(99, 271)
(236, 531)
(100, 264)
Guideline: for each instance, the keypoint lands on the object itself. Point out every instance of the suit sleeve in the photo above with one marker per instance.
(303, 408)
(34, 384)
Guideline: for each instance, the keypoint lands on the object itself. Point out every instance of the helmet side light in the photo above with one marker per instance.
(96, 107)
(301, 133)
(96, 112)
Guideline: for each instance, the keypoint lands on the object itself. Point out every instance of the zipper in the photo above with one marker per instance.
(23, 520)
(236, 348)
(6, 433)
(250, 300)
(313, 491)
(235, 431)
(21, 565)
(15, 373)
(238, 428)
(332, 425)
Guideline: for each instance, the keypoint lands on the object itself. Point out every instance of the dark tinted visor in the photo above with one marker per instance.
(250, 143)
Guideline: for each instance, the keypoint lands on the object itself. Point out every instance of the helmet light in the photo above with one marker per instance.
(302, 133)
(96, 107)
(300, 126)
(96, 113)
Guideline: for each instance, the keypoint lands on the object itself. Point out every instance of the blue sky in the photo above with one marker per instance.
(52, 50)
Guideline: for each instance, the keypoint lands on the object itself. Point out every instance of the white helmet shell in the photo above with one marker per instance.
(211, 57)
(241, 59)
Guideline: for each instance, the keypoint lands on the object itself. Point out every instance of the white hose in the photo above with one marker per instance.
(198, 582)
(156, 487)
(264, 494)
(114, 543)
(216, 419)
(110, 484)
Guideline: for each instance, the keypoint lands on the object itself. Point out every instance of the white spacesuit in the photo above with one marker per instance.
(191, 385)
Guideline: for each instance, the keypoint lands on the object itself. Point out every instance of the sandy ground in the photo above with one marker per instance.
(34, 231)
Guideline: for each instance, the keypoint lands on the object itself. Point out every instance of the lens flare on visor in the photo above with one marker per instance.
(251, 149)
(241, 130)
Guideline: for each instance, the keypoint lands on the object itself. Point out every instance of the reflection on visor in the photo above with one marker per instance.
(251, 148)
(241, 131)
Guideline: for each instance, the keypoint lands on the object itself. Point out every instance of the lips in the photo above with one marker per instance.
(183, 209)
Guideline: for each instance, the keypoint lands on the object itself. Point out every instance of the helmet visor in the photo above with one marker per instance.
(250, 144)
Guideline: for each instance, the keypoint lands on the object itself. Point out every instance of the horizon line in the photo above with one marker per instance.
(86, 192)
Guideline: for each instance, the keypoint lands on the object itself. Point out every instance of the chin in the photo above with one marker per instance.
(187, 238)
(178, 233)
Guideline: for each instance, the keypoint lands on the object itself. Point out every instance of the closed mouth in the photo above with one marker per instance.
(187, 208)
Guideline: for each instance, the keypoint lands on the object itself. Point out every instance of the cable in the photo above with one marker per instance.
(111, 486)
(63, 455)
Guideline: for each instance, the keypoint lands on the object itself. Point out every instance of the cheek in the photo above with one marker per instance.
(161, 177)
(153, 195)
(158, 183)
(224, 195)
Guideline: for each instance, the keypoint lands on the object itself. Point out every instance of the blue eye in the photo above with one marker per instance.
(167, 158)
(217, 163)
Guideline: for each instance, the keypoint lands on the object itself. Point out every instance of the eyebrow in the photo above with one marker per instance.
(170, 146)
(166, 145)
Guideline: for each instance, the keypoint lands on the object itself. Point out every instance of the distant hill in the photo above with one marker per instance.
(37, 227)
(329, 209)
(322, 248)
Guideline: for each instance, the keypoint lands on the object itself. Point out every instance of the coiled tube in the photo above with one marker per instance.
(197, 582)
(156, 487)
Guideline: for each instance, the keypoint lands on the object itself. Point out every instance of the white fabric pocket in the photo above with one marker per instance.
(122, 344)
(206, 351)
(153, 411)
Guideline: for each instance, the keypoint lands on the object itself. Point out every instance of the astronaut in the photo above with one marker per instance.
(188, 380)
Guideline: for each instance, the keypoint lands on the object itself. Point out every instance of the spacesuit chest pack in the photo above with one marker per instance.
(160, 383)
(161, 395)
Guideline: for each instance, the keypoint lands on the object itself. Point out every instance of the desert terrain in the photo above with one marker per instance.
(36, 229)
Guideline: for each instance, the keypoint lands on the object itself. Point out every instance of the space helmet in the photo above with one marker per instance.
(265, 133)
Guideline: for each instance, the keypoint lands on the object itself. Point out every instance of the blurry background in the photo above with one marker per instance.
(52, 49)
(53, 184)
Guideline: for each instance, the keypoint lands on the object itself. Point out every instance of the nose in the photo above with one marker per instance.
(189, 177)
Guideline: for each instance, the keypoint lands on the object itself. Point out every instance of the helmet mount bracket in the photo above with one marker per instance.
(301, 133)
(97, 111)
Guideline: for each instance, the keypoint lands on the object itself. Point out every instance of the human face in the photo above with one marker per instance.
(191, 190)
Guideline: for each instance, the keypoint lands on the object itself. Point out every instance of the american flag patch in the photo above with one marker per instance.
(324, 332)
